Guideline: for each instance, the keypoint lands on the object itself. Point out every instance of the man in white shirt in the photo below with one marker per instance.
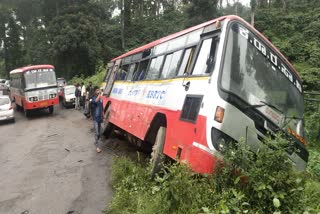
(83, 94)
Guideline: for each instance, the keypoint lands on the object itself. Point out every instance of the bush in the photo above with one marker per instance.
(96, 79)
(264, 182)
(247, 183)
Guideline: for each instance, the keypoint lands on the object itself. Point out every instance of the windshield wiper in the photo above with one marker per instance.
(263, 104)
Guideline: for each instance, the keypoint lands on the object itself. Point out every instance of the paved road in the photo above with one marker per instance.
(48, 164)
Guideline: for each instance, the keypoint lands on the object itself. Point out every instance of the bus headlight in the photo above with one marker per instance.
(220, 140)
(33, 99)
(221, 144)
(51, 96)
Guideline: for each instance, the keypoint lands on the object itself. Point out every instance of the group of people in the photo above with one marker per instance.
(83, 95)
(90, 99)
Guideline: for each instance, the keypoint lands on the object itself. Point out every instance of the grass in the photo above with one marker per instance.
(273, 186)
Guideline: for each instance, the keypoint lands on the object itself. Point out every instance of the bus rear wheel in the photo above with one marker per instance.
(107, 127)
(50, 108)
(157, 157)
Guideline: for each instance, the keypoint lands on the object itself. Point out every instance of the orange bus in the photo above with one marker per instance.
(34, 87)
(189, 95)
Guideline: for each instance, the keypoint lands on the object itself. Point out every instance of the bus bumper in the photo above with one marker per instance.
(40, 104)
(201, 159)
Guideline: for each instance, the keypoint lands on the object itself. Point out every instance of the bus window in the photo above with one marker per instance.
(206, 58)
(108, 72)
(194, 37)
(177, 43)
(141, 71)
(161, 48)
(154, 69)
(132, 69)
(186, 61)
(122, 72)
(171, 64)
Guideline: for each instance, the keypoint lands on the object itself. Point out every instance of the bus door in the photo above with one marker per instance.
(107, 76)
(111, 78)
(193, 123)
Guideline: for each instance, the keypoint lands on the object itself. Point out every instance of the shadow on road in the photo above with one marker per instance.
(6, 122)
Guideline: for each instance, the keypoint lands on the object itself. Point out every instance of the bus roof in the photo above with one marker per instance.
(30, 67)
(180, 33)
(167, 38)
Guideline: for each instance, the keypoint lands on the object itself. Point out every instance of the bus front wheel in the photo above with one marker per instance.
(26, 112)
(18, 108)
(157, 157)
(50, 109)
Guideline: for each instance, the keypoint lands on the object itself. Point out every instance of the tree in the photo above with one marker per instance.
(14, 55)
(253, 4)
(74, 42)
(199, 11)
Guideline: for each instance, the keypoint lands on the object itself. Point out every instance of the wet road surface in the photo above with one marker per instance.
(48, 164)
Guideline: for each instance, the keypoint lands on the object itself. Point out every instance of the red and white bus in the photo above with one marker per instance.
(34, 87)
(190, 94)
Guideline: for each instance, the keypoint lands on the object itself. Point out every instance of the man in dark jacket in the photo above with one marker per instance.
(91, 92)
(97, 115)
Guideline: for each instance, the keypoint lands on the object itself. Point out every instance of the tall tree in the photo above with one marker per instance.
(199, 11)
(14, 55)
(253, 4)
(74, 38)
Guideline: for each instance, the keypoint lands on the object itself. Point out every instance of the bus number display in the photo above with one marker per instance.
(272, 57)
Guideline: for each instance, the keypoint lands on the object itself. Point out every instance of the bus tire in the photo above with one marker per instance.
(50, 108)
(107, 127)
(26, 112)
(17, 107)
(157, 157)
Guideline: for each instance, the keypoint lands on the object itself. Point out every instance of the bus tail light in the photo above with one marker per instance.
(219, 115)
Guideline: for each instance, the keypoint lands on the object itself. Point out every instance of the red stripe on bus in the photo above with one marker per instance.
(136, 119)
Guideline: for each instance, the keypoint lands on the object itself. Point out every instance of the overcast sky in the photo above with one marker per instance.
(244, 2)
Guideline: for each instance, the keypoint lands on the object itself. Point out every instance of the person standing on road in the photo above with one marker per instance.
(83, 94)
(87, 105)
(77, 95)
(97, 114)
(90, 90)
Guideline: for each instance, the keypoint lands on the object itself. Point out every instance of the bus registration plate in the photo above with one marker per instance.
(44, 104)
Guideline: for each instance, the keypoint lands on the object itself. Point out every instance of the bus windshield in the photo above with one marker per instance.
(61, 82)
(258, 76)
(39, 78)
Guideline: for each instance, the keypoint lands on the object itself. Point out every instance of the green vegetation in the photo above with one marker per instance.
(96, 79)
(247, 183)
